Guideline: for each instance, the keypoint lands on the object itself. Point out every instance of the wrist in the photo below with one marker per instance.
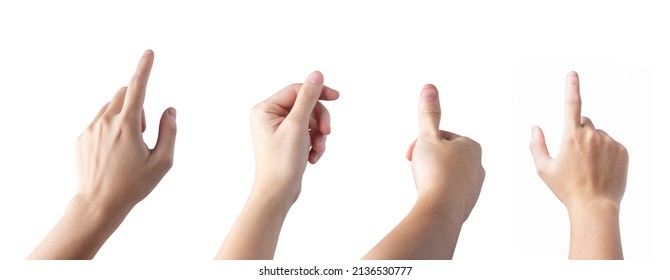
(452, 213)
(594, 230)
(593, 208)
(276, 195)
(96, 213)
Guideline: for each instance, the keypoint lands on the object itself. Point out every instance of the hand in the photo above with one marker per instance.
(115, 168)
(445, 165)
(588, 176)
(591, 167)
(289, 129)
(448, 174)
(115, 171)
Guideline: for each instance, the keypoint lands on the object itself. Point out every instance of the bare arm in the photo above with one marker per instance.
(448, 175)
(256, 231)
(588, 176)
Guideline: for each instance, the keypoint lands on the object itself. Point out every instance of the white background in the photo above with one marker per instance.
(500, 68)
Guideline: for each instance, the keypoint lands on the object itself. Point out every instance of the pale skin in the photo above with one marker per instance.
(289, 130)
(589, 176)
(115, 171)
(448, 175)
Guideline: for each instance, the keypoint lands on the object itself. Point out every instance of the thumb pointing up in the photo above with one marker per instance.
(429, 111)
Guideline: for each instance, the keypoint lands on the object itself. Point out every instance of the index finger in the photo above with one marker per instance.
(573, 101)
(138, 85)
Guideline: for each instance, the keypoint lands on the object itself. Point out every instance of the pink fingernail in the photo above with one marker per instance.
(315, 78)
(429, 95)
(172, 112)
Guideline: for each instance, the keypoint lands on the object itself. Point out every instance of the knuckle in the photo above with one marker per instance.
(590, 137)
(476, 144)
(431, 112)
(258, 108)
(573, 99)
(137, 83)
(164, 162)
(623, 151)
(126, 120)
(105, 120)
(167, 162)
(608, 140)
(477, 149)
(310, 93)
(171, 128)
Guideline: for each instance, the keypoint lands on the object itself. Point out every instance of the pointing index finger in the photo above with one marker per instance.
(138, 85)
(573, 101)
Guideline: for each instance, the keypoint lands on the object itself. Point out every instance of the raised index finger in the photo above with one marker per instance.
(138, 85)
(573, 101)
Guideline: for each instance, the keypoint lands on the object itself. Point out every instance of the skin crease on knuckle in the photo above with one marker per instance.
(431, 112)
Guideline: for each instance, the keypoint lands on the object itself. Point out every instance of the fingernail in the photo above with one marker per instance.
(315, 78)
(428, 94)
(147, 52)
(532, 131)
(172, 112)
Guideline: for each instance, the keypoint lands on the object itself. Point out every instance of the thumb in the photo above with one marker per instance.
(538, 148)
(307, 97)
(429, 111)
(167, 133)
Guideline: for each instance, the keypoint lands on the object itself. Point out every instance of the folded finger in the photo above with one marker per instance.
(322, 117)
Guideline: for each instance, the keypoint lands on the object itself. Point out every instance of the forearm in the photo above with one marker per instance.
(80, 233)
(429, 231)
(594, 232)
(255, 233)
